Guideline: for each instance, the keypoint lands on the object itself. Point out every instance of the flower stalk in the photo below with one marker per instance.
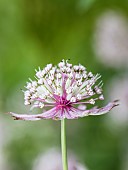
(63, 145)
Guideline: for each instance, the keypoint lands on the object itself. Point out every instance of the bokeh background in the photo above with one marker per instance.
(91, 32)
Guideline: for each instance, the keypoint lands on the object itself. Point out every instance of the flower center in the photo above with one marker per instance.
(63, 103)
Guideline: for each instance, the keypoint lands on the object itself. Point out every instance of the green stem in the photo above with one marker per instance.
(63, 145)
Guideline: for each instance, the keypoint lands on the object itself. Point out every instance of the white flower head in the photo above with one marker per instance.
(61, 89)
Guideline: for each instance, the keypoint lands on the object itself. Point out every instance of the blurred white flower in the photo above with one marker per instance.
(119, 89)
(1, 132)
(111, 39)
(125, 159)
(3, 162)
(51, 160)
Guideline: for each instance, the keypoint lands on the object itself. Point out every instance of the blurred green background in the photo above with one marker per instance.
(34, 33)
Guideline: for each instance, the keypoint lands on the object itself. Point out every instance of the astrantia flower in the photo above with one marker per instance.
(64, 91)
